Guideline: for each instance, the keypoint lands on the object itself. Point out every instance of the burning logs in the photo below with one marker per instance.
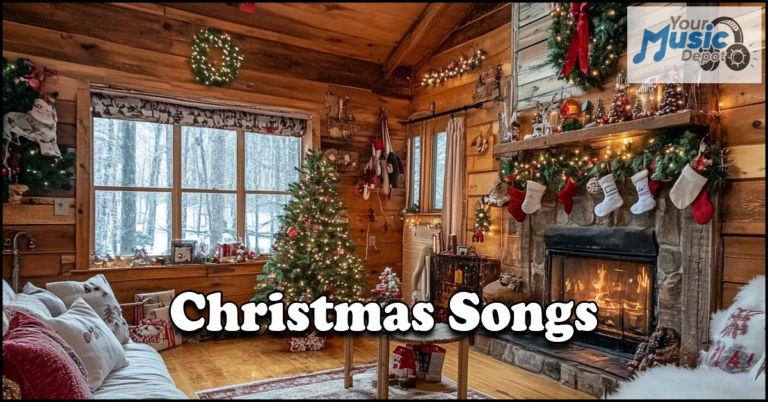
(662, 348)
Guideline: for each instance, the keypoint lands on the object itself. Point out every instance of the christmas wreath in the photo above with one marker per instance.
(585, 41)
(204, 68)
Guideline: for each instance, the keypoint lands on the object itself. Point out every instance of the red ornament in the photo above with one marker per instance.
(292, 232)
(565, 110)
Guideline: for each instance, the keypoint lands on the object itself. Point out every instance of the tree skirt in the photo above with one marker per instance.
(329, 385)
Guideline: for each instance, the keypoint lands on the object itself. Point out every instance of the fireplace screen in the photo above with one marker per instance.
(622, 290)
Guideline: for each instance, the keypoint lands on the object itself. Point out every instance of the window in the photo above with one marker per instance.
(218, 185)
(416, 171)
(439, 170)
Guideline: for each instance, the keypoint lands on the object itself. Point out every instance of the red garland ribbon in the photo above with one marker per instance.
(579, 41)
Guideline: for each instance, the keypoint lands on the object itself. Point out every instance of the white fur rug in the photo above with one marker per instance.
(329, 385)
(670, 382)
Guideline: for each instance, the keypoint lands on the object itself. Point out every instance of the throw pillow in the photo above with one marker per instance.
(90, 337)
(738, 334)
(41, 363)
(29, 305)
(8, 293)
(54, 305)
(97, 293)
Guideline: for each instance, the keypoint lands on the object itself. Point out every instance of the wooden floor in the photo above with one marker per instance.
(199, 366)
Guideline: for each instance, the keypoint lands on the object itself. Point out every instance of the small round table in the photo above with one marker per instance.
(442, 333)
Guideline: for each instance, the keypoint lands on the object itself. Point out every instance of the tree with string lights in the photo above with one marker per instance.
(313, 255)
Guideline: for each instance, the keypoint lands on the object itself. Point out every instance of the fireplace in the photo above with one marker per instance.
(615, 268)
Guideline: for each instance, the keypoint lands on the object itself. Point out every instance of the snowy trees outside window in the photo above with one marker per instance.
(219, 198)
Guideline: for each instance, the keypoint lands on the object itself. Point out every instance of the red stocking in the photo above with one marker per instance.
(566, 195)
(653, 185)
(702, 208)
(515, 207)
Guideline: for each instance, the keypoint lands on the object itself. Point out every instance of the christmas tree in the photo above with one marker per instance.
(313, 255)
(672, 99)
(599, 118)
(637, 111)
(620, 106)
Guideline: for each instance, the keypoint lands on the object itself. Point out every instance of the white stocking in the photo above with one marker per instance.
(534, 192)
(612, 201)
(687, 188)
(645, 202)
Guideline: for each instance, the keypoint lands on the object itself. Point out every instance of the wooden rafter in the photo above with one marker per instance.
(428, 20)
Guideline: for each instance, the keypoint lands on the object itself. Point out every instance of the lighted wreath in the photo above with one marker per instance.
(586, 40)
(229, 58)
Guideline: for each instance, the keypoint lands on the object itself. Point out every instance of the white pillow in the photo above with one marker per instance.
(29, 305)
(85, 332)
(97, 293)
(5, 324)
(54, 305)
(8, 293)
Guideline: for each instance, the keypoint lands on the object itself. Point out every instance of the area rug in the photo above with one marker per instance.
(329, 385)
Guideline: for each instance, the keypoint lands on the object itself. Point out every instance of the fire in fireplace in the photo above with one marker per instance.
(614, 268)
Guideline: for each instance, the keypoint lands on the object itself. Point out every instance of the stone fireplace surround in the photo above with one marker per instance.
(684, 278)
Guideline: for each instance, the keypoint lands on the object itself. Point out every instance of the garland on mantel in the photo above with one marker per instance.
(664, 154)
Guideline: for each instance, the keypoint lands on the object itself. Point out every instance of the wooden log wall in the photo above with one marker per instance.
(489, 31)
(742, 129)
(144, 46)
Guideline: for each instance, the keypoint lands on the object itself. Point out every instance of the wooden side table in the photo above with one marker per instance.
(442, 333)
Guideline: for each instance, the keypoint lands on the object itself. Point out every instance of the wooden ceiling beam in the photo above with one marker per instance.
(427, 20)
(468, 7)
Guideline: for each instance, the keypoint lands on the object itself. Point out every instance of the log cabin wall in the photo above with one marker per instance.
(742, 209)
(145, 47)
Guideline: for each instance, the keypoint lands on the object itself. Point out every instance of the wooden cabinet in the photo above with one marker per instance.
(450, 274)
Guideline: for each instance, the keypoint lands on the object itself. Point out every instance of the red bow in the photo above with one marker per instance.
(247, 7)
(36, 77)
(579, 41)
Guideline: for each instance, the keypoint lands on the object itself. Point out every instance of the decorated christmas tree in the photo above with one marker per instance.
(673, 97)
(620, 107)
(599, 118)
(313, 255)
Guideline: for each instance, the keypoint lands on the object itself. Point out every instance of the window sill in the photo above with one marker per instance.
(255, 263)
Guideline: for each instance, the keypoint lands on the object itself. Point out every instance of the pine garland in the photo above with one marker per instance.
(608, 33)
(670, 150)
(314, 256)
(482, 218)
(17, 95)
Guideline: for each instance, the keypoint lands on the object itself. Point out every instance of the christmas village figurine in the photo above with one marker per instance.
(645, 100)
(598, 117)
(620, 107)
(200, 255)
(388, 289)
(140, 258)
(120, 262)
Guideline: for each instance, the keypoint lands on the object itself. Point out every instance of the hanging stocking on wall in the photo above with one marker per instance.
(565, 196)
(687, 188)
(534, 192)
(515, 207)
(645, 202)
(702, 208)
(612, 201)
(653, 185)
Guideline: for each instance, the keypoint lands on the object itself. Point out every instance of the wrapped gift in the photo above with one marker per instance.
(402, 363)
(226, 250)
(156, 333)
(308, 343)
(429, 362)
(140, 312)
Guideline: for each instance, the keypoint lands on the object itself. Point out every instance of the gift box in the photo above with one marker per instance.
(308, 343)
(226, 250)
(430, 359)
(402, 363)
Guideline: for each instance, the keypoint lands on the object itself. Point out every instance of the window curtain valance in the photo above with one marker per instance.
(140, 109)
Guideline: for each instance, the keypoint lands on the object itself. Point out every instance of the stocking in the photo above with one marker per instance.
(385, 187)
(653, 185)
(534, 192)
(645, 202)
(702, 208)
(515, 203)
(687, 187)
(612, 201)
(565, 196)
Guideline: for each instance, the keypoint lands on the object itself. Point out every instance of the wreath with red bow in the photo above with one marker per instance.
(586, 40)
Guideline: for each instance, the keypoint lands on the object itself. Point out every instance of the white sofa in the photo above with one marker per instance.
(145, 377)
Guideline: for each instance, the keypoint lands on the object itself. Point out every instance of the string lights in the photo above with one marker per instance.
(206, 70)
(455, 68)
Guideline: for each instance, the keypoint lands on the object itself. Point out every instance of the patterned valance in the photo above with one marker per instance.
(139, 109)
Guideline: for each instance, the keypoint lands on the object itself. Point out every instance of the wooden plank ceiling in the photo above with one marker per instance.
(386, 34)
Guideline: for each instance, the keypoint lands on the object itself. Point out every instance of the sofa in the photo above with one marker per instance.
(141, 373)
(732, 368)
